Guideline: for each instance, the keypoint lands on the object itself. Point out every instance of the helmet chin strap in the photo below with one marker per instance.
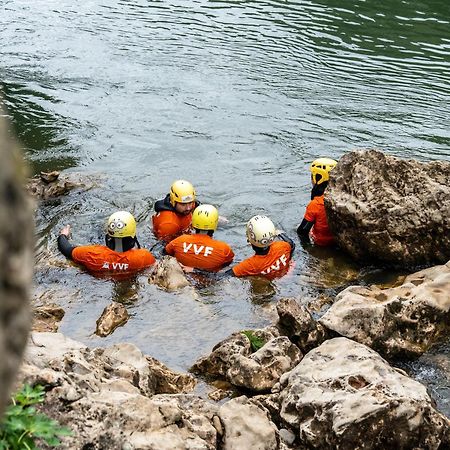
(118, 245)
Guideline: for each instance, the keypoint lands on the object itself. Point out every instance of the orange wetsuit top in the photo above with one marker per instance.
(315, 212)
(200, 251)
(272, 265)
(167, 223)
(102, 260)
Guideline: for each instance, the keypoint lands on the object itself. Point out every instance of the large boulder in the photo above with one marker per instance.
(16, 256)
(251, 359)
(383, 208)
(400, 321)
(344, 395)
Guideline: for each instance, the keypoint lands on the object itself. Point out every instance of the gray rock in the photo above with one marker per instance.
(262, 369)
(246, 426)
(168, 274)
(384, 208)
(297, 324)
(344, 395)
(404, 320)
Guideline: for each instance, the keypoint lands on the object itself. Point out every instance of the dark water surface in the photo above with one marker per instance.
(236, 96)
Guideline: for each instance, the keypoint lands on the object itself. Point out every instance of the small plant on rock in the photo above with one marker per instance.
(22, 424)
(255, 341)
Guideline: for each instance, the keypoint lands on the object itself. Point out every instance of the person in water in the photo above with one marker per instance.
(314, 223)
(173, 214)
(273, 250)
(200, 250)
(118, 257)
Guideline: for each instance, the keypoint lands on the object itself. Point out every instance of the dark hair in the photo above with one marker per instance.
(127, 242)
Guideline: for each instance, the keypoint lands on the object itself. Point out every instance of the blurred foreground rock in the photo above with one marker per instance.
(396, 211)
(16, 256)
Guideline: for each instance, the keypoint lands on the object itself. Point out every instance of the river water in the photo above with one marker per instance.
(237, 97)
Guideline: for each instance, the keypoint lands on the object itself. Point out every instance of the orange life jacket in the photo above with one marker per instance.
(100, 259)
(200, 251)
(167, 225)
(315, 212)
(272, 265)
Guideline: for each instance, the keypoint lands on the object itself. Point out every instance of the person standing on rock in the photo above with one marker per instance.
(273, 250)
(173, 214)
(200, 250)
(118, 257)
(315, 224)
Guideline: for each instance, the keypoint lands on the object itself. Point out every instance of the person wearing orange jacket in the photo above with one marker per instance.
(173, 214)
(200, 250)
(273, 250)
(118, 258)
(315, 223)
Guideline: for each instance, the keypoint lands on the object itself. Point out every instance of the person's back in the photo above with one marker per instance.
(315, 213)
(118, 257)
(201, 250)
(272, 258)
(315, 222)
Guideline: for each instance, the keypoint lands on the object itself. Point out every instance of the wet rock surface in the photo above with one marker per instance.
(113, 316)
(47, 317)
(168, 274)
(383, 208)
(344, 395)
(405, 320)
(49, 185)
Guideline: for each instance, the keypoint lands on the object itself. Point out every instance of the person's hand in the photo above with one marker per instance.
(65, 231)
(186, 269)
(223, 220)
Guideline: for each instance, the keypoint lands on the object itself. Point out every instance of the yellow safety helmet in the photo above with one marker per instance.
(121, 224)
(321, 168)
(260, 231)
(181, 191)
(205, 217)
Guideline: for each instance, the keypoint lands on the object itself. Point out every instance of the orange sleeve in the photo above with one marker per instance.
(244, 268)
(311, 211)
(229, 256)
(164, 227)
(170, 248)
(149, 259)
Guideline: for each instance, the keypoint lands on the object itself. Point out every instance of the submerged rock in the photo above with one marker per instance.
(404, 320)
(113, 316)
(168, 274)
(48, 185)
(383, 208)
(47, 317)
(344, 395)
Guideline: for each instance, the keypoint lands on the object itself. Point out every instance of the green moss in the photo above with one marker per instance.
(255, 341)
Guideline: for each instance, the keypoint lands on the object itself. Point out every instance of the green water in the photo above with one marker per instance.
(238, 97)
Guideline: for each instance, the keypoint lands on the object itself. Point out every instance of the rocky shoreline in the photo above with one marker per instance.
(297, 384)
